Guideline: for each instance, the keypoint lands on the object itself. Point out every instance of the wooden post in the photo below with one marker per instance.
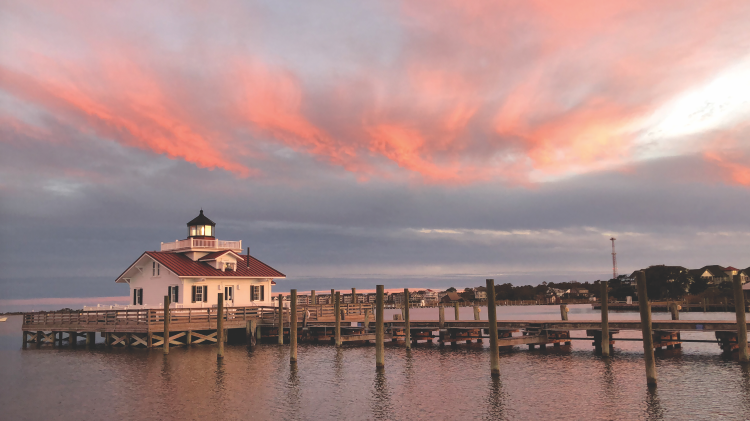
(281, 320)
(333, 295)
(337, 312)
(189, 337)
(252, 327)
(25, 338)
(407, 325)
(476, 312)
(648, 337)
(149, 340)
(441, 317)
(72, 338)
(366, 323)
(354, 295)
(166, 325)
(564, 312)
(107, 338)
(220, 327)
(90, 339)
(293, 329)
(705, 304)
(455, 306)
(492, 316)
(673, 308)
(258, 334)
(605, 318)
(312, 298)
(379, 329)
(739, 309)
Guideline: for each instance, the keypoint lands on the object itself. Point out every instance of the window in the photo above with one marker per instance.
(257, 293)
(228, 293)
(208, 230)
(155, 269)
(228, 266)
(173, 292)
(192, 231)
(200, 293)
(137, 296)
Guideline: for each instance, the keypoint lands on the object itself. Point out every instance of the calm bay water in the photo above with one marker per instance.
(428, 382)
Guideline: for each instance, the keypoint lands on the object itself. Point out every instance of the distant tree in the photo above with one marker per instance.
(468, 289)
(699, 286)
(667, 282)
(451, 289)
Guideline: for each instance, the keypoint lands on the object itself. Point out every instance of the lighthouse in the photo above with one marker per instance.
(193, 271)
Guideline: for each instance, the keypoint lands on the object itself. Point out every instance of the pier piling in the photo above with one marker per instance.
(441, 317)
(455, 306)
(366, 322)
(166, 326)
(563, 312)
(379, 328)
(674, 308)
(648, 336)
(219, 328)
(281, 319)
(407, 325)
(312, 298)
(739, 309)
(605, 318)
(354, 295)
(476, 312)
(293, 329)
(337, 312)
(492, 315)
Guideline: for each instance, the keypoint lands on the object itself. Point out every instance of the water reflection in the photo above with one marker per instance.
(745, 368)
(496, 400)
(381, 405)
(293, 392)
(654, 410)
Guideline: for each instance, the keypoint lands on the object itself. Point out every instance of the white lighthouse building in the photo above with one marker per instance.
(193, 271)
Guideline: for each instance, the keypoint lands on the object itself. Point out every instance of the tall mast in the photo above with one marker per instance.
(614, 259)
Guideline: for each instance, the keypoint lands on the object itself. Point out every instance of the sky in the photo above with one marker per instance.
(412, 144)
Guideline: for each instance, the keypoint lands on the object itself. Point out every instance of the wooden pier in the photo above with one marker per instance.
(340, 323)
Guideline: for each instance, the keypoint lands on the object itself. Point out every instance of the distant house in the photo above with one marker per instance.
(714, 274)
(452, 297)
(429, 296)
(578, 293)
(480, 293)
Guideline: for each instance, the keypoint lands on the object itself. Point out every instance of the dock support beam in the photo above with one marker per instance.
(648, 334)
(72, 338)
(492, 315)
(337, 314)
(455, 306)
(739, 309)
(379, 328)
(564, 312)
(90, 339)
(166, 325)
(281, 319)
(293, 329)
(407, 325)
(219, 328)
(674, 308)
(441, 315)
(605, 318)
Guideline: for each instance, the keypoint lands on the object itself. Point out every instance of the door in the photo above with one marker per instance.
(229, 295)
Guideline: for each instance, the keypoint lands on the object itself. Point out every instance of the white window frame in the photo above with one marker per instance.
(155, 269)
(174, 293)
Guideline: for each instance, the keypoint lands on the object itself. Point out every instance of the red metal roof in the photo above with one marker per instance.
(730, 268)
(181, 265)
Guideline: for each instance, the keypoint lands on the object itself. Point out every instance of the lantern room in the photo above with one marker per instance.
(201, 227)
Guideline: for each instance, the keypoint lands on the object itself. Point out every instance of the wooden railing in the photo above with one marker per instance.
(152, 317)
(201, 243)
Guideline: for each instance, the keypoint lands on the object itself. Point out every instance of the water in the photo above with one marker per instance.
(428, 382)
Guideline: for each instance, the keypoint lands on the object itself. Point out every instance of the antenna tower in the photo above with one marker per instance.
(614, 259)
